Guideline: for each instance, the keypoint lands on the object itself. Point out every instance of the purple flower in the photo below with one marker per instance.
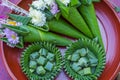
(11, 36)
(54, 8)
(6, 31)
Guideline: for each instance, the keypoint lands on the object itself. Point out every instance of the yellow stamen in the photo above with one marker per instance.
(12, 23)
(13, 36)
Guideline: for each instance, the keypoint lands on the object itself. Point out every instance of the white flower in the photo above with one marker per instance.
(31, 9)
(49, 2)
(66, 2)
(38, 18)
(40, 4)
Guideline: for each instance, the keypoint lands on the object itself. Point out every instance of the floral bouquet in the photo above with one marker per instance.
(44, 16)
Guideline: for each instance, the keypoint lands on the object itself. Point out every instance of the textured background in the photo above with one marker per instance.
(3, 73)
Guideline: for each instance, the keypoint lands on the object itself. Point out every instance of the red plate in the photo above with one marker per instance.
(110, 29)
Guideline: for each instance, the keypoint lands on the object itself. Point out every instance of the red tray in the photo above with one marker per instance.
(110, 29)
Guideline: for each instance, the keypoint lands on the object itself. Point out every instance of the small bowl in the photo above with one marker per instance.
(35, 47)
(96, 50)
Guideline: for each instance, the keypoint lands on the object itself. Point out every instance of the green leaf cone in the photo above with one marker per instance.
(72, 15)
(58, 26)
(36, 35)
(92, 46)
(62, 27)
(88, 13)
(76, 19)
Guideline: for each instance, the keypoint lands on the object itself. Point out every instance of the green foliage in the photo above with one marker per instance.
(19, 45)
(87, 71)
(49, 70)
(75, 3)
(21, 30)
(23, 19)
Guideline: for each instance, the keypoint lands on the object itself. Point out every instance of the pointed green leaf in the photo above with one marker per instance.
(96, 39)
(86, 2)
(20, 44)
(23, 19)
(89, 15)
(48, 14)
(77, 21)
(43, 28)
(22, 30)
(57, 16)
(4, 39)
(65, 10)
(75, 3)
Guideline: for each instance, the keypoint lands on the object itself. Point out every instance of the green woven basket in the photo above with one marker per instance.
(25, 59)
(92, 46)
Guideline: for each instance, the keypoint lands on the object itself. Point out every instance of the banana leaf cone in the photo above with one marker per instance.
(31, 34)
(55, 25)
(88, 13)
(72, 15)
(62, 27)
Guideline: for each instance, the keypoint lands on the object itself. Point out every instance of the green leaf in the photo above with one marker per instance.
(65, 10)
(21, 30)
(57, 16)
(96, 39)
(4, 39)
(86, 2)
(75, 3)
(20, 44)
(91, 55)
(23, 19)
(89, 15)
(43, 28)
(117, 9)
(60, 3)
(48, 14)
(96, 0)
